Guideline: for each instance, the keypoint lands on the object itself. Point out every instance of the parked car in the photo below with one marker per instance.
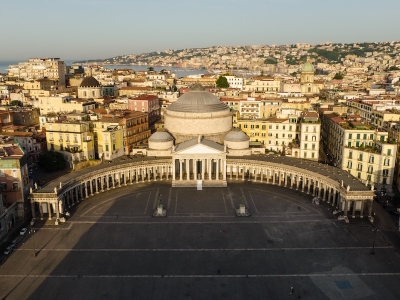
(14, 242)
(23, 231)
(8, 250)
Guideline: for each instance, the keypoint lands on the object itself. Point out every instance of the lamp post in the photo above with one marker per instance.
(373, 242)
(32, 232)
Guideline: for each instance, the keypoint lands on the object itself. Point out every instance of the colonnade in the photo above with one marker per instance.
(307, 182)
(58, 197)
(198, 169)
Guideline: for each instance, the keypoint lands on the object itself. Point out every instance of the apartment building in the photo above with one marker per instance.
(234, 81)
(39, 68)
(63, 104)
(364, 150)
(109, 137)
(14, 180)
(310, 134)
(262, 84)
(72, 137)
(146, 103)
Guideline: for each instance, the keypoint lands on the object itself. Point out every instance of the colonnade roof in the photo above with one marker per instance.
(309, 165)
(49, 188)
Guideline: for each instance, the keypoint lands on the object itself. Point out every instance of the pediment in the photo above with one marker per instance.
(199, 149)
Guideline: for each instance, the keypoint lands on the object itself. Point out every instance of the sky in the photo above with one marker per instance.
(96, 29)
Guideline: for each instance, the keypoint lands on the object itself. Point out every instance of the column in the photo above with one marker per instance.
(119, 178)
(173, 169)
(113, 180)
(187, 169)
(329, 194)
(57, 208)
(273, 176)
(244, 171)
(279, 178)
(309, 186)
(261, 174)
(33, 208)
(303, 184)
(86, 190)
(223, 169)
(237, 172)
(297, 182)
(77, 194)
(81, 188)
(324, 194)
(195, 169)
(354, 209)
(345, 207)
(285, 182)
(91, 187)
(137, 174)
(203, 168)
(180, 169)
(41, 210)
(369, 208)
(217, 169)
(362, 209)
(49, 209)
(231, 171)
(102, 183)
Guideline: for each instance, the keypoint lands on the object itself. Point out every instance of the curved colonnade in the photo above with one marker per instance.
(56, 197)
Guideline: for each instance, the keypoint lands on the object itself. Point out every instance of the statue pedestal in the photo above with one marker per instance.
(242, 211)
(160, 211)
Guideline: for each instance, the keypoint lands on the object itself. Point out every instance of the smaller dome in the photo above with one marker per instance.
(90, 82)
(307, 67)
(236, 135)
(160, 136)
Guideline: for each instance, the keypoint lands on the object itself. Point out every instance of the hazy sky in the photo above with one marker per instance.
(84, 29)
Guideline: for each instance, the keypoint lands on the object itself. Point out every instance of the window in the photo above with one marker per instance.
(365, 136)
(15, 186)
(251, 126)
(313, 146)
(359, 175)
(369, 177)
(306, 137)
(350, 136)
(386, 162)
(277, 126)
(349, 164)
(385, 172)
(270, 126)
(371, 159)
(360, 157)
(350, 154)
(106, 147)
(358, 136)
(370, 169)
(276, 135)
(389, 152)
(305, 146)
(245, 126)
(263, 127)
(3, 186)
(284, 127)
(359, 167)
(313, 155)
(305, 154)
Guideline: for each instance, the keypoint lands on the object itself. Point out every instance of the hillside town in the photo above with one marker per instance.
(337, 104)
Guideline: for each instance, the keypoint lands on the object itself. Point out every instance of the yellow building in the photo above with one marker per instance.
(109, 137)
(71, 137)
(256, 129)
(262, 84)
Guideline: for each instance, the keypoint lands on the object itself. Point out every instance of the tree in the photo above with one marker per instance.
(338, 76)
(52, 161)
(394, 68)
(150, 69)
(222, 82)
(16, 103)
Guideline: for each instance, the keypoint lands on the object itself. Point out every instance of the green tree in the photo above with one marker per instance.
(394, 68)
(16, 103)
(150, 69)
(222, 82)
(52, 161)
(338, 76)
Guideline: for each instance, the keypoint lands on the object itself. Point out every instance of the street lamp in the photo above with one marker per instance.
(32, 232)
(373, 242)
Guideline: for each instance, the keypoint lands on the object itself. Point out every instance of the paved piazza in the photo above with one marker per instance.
(112, 248)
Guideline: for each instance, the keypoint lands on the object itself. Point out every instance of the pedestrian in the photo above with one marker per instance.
(291, 290)
(219, 272)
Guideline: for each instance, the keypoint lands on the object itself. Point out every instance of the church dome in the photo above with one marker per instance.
(307, 67)
(237, 140)
(160, 136)
(197, 100)
(161, 140)
(236, 135)
(90, 82)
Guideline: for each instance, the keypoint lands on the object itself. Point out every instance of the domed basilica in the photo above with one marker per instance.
(198, 135)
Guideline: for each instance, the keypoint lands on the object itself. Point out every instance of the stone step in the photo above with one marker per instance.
(193, 183)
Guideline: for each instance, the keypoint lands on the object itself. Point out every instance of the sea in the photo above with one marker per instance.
(180, 72)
